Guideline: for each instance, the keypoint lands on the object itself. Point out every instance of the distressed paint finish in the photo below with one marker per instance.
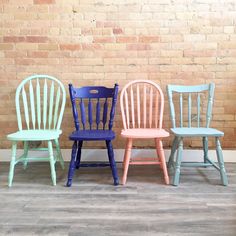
(92, 128)
(204, 131)
(30, 129)
(148, 96)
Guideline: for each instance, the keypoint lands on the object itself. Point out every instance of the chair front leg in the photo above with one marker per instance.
(112, 162)
(160, 153)
(173, 150)
(26, 150)
(12, 164)
(52, 163)
(178, 163)
(72, 164)
(205, 148)
(59, 154)
(127, 159)
(219, 153)
(78, 157)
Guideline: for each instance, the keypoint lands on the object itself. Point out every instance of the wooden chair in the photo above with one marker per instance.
(96, 126)
(196, 124)
(142, 105)
(41, 98)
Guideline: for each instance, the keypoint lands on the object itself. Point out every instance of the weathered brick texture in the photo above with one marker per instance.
(100, 42)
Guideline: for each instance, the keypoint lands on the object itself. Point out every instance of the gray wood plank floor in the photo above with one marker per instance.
(93, 206)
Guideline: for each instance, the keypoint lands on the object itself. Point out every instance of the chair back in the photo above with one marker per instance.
(40, 103)
(142, 105)
(93, 107)
(191, 106)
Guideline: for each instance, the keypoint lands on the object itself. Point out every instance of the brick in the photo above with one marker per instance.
(138, 47)
(126, 39)
(48, 46)
(70, 47)
(44, 1)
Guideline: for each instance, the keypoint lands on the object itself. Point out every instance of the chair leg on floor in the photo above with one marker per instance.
(160, 153)
(78, 157)
(26, 150)
(59, 154)
(52, 163)
(127, 159)
(178, 163)
(112, 162)
(219, 153)
(205, 148)
(173, 150)
(72, 164)
(12, 164)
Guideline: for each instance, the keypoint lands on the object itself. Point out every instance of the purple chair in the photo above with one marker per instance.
(93, 110)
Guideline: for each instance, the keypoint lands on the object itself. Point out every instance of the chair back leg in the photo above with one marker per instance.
(205, 148)
(78, 157)
(26, 150)
(178, 163)
(12, 164)
(172, 153)
(59, 154)
(52, 162)
(112, 162)
(126, 159)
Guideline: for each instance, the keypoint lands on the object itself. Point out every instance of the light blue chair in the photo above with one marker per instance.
(193, 121)
(40, 103)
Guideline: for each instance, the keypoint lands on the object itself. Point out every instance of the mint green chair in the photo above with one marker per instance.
(40, 103)
(192, 120)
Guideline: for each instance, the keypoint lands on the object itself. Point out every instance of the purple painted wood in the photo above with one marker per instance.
(89, 132)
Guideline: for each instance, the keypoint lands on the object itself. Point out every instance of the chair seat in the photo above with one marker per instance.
(34, 135)
(92, 135)
(144, 133)
(196, 132)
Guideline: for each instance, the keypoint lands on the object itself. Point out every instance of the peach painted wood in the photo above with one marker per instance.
(142, 106)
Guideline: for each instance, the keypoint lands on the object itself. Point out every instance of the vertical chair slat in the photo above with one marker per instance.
(172, 108)
(210, 104)
(127, 108)
(138, 105)
(144, 106)
(104, 117)
(45, 100)
(90, 113)
(181, 109)
(38, 104)
(156, 110)
(150, 107)
(198, 109)
(25, 103)
(189, 109)
(132, 105)
(98, 109)
(83, 114)
(32, 106)
(58, 96)
(51, 105)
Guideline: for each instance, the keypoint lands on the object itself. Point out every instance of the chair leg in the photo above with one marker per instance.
(59, 154)
(178, 163)
(219, 153)
(173, 150)
(12, 165)
(127, 159)
(112, 162)
(52, 162)
(160, 153)
(205, 148)
(78, 157)
(72, 164)
(26, 150)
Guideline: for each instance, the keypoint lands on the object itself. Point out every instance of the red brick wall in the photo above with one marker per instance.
(99, 42)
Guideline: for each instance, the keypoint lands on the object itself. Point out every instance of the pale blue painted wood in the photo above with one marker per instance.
(173, 150)
(203, 131)
(52, 111)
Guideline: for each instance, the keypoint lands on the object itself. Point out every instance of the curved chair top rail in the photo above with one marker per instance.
(141, 108)
(93, 111)
(189, 91)
(45, 106)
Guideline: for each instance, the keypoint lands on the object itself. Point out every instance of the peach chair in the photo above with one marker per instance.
(142, 105)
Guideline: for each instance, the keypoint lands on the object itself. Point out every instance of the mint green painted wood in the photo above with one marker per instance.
(201, 130)
(38, 123)
(12, 164)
